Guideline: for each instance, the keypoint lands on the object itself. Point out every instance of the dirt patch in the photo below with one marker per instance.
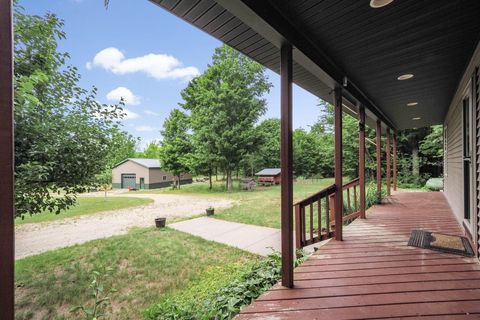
(35, 238)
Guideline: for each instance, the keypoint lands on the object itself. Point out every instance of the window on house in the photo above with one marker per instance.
(164, 178)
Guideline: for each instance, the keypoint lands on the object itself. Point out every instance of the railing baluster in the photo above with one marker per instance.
(355, 197)
(298, 227)
(304, 228)
(332, 212)
(311, 222)
(349, 209)
(320, 218)
(327, 215)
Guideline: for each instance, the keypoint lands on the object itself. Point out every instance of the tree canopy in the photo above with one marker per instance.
(176, 145)
(225, 102)
(63, 135)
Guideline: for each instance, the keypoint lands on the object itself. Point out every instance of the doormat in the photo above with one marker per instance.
(441, 242)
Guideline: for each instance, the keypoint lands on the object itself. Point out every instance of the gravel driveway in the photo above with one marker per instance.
(34, 238)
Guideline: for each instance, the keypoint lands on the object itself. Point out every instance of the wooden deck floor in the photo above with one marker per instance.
(373, 274)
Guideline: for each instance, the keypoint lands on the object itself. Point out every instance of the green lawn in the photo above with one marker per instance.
(260, 207)
(146, 263)
(86, 205)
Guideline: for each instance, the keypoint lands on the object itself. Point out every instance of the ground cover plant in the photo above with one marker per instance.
(85, 206)
(145, 265)
(196, 303)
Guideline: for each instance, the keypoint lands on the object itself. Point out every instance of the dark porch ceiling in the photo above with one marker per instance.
(434, 40)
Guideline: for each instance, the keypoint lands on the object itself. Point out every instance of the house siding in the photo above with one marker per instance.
(153, 177)
(476, 107)
(453, 172)
(156, 177)
(453, 179)
(129, 167)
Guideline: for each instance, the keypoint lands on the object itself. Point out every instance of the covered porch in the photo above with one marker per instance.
(393, 64)
(373, 274)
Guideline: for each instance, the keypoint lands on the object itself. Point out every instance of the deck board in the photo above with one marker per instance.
(374, 274)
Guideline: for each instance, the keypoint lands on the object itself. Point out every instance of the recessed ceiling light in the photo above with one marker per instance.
(416, 118)
(412, 104)
(405, 76)
(379, 3)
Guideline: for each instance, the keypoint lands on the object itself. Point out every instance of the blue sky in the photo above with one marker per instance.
(150, 56)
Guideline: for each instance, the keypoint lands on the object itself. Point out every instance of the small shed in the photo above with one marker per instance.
(142, 173)
(269, 176)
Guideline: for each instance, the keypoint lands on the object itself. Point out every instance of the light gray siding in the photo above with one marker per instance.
(453, 172)
(453, 186)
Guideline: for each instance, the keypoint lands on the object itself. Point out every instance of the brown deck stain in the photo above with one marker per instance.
(374, 274)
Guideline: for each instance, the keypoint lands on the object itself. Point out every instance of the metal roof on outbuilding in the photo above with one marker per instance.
(269, 172)
(147, 163)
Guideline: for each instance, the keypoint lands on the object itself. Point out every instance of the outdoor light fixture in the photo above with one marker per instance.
(412, 104)
(379, 3)
(405, 76)
(416, 118)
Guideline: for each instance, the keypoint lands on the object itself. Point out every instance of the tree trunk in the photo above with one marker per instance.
(415, 162)
(229, 181)
(216, 174)
(210, 179)
(178, 182)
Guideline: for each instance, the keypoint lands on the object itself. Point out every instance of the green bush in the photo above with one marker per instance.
(371, 196)
(412, 182)
(435, 184)
(227, 301)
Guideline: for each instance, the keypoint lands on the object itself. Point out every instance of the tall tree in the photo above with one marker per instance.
(306, 153)
(122, 146)
(62, 134)
(176, 145)
(152, 151)
(225, 102)
(267, 152)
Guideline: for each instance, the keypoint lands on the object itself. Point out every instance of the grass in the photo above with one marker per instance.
(146, 264)
(260, 207)
(86, 205)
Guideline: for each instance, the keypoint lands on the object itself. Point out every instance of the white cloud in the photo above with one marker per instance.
(129, 115)
(125, 93)
(151, 113)
(145, 129)
(158, 66)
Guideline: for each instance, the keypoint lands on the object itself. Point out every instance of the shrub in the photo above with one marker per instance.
(371, 196)
(227, 301)
(435, 184)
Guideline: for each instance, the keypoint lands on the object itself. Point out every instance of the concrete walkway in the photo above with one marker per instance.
(255, 239)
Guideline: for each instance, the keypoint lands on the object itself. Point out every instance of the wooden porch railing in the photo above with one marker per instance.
(319, 224)
(314, 216)
(350, 211)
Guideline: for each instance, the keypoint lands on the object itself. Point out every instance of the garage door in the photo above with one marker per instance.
(128, 181)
